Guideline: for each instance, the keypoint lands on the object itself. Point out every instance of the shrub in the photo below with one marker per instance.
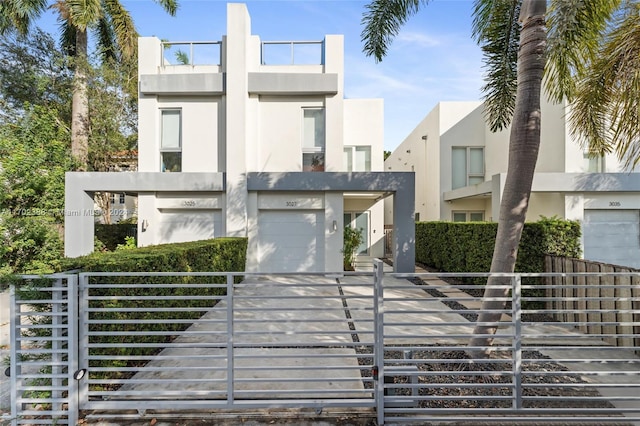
(352, 240)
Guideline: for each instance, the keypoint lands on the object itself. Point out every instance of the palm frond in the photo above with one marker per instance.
(170, 6)
(576, 29)
(382, 21)
(84, 13)
(124, 30)
(497, 31)
(606, 109)
(107, 47)
(67, 37)
(17, 15)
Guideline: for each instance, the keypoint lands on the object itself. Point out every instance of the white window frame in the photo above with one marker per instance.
(469, 176)
(596, 162)
(352, 150)
(170, 149)
(122, 198)
(316, 152)
(467, 215)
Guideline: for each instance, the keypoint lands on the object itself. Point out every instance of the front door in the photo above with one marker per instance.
(359, 220)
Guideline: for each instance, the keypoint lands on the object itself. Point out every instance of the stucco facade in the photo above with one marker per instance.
(460, 167)
(285, 159)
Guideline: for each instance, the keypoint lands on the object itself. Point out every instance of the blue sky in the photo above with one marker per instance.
(433, 59)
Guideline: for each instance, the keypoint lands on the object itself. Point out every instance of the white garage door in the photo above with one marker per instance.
(177, 226)
(612, 236)
(291, 241)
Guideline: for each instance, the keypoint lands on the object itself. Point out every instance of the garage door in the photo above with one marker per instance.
(177, 226)
(291, 241)
(612, 236)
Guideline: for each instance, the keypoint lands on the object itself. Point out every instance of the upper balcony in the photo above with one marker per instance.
(241, 63)
(191, 56)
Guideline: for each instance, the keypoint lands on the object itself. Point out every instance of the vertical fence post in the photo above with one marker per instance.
(378, 338)
(516, 316)
(57, 322)
(72, 347)
(83, 338)
(230, 341)
(14, 368)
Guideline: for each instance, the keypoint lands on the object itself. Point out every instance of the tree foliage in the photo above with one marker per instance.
(35, 82)
(35, 156)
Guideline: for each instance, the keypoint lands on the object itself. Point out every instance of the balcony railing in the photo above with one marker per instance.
(292, 53)
(191, 53)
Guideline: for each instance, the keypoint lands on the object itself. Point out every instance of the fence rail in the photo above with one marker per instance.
(400, 348)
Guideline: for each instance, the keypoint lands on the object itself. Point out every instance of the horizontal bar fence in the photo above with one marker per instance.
(541, 365)
(43, 353)
(398, 348)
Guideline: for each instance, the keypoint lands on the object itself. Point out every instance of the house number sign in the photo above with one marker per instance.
(189, 203)
(615, 204)
(291, 203)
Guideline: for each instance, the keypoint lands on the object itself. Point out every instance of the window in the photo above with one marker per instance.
(467, 166)
(594, 162)
(313, 140)
(459, 216)
(170, 141)
(121, 199)
(112, 198)
(357, 158)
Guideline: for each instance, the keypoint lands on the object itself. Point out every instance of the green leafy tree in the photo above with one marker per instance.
(34, 156)
(518, 51)
(116, 38)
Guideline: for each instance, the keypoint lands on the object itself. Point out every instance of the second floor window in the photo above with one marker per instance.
(467, 166)
(594, 163)
(313, 140)
(357, 158)
(171, 140)
(459, 216)
(121, 198)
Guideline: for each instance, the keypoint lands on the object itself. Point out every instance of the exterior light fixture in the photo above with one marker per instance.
(335, 225)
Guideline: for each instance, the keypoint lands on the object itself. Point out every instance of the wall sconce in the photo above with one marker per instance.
(145, 225)
(335, 225)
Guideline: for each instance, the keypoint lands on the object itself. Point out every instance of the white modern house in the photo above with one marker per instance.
(242, 137)
(460, 168)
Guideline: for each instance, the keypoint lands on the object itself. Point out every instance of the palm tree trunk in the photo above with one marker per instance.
(524, 145)
(80, 104)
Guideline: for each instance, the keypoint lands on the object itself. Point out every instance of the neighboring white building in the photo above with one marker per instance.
(460, 168)
(249, 138)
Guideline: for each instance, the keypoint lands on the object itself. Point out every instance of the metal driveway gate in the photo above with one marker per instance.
(214, 344)
(198, 342)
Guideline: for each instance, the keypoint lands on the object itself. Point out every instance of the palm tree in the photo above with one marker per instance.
(519, 53)
(116, 39)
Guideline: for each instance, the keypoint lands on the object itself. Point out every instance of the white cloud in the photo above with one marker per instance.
(417, 39)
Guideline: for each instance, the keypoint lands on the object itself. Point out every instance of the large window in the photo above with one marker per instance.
(594, 162)
(313, 140)
(357, 158)
(467, 166)
(171, 140)
(459, 216)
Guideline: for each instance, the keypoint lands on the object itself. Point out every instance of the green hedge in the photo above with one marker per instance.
(217, 255)
(114, 234)
(149, 326)
(468, 246)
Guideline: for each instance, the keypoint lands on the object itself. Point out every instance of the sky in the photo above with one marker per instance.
(433, 58)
